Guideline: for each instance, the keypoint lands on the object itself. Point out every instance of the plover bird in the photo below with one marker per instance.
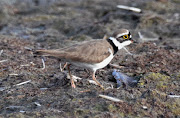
(92, 55)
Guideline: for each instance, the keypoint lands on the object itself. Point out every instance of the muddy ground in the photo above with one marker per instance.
(155, 63)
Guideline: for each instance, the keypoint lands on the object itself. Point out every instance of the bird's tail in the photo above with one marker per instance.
(52, 53)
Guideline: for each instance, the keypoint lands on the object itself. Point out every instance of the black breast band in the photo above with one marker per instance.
(115, 48)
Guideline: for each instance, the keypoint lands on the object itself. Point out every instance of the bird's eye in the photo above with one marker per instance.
(125, 36)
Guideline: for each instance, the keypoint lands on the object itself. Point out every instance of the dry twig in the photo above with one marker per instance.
(85, 91)
(32, 63)
(174, 96)
(28, 48)
(3, 60)
(92, 82)
(23, 83)
(129, 8)
(43, 88)
(1, 52)
(110, 98)
(75, 78)
(13, 74)
(116, 66)
(37, 103)
(25, 65)
(44, 65)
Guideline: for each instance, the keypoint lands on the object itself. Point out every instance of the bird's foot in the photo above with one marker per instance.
(73, 85)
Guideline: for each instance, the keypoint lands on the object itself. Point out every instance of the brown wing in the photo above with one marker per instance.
(89, 52)
(93, 51)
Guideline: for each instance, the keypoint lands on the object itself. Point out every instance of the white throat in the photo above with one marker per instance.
(118, 44)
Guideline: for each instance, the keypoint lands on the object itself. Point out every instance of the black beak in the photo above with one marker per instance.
(133, 41)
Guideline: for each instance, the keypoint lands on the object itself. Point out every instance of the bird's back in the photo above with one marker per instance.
(94, 51)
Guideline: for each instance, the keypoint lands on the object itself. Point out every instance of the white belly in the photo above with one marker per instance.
(96, 66)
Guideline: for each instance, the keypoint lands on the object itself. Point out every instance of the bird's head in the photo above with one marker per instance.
(123, 36)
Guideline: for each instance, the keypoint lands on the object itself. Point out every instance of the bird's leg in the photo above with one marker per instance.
(65, 65)
(94, 78)
(72, 81)
(62, 69)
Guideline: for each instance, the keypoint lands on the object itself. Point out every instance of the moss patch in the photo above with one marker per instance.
(160, 81)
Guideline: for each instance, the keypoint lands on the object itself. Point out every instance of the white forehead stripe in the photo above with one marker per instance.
(125, 33)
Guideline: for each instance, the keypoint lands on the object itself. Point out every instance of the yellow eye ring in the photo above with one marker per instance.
(125, 36)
